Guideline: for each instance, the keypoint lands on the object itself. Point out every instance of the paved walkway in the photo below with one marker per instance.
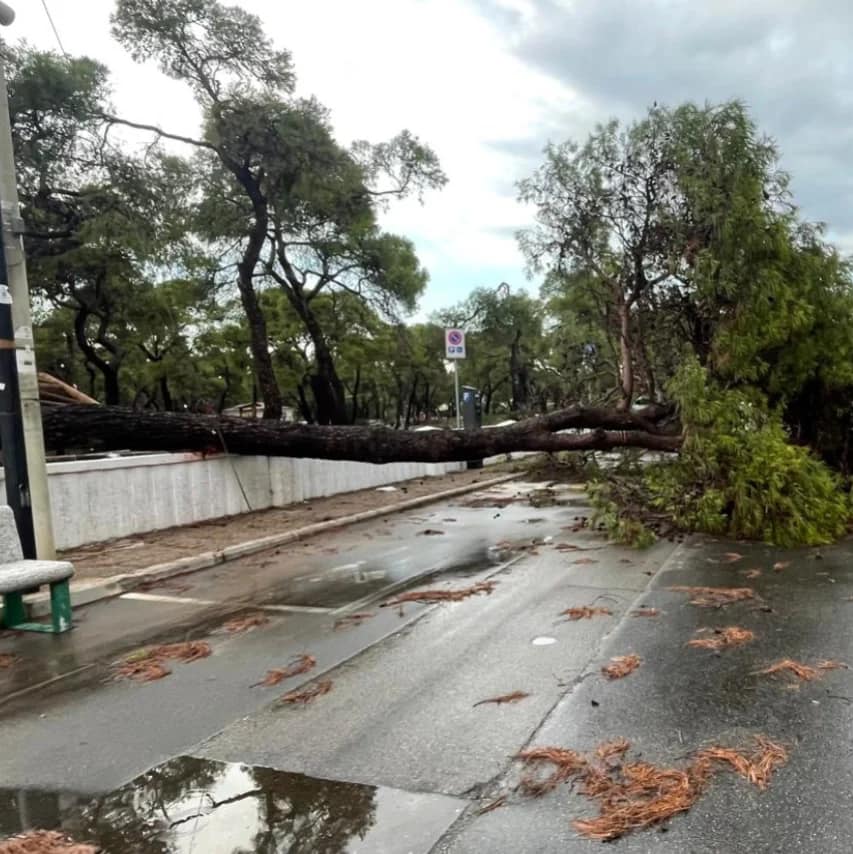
(141, 551)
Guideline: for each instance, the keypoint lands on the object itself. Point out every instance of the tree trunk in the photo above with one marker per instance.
(114, 428)
(166, 394)
(518, 376)
(331, 402)
(626, 367)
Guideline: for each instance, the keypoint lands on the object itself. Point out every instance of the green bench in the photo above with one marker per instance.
(19, 576)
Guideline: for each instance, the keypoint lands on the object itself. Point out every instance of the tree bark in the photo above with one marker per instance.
(115, 428)
(626, 355)
(258, 338)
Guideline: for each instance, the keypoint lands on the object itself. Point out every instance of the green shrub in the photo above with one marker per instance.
(738, 475)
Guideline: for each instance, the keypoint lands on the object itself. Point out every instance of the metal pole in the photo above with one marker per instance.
(11, 428)
(23, 335)
(458, 401)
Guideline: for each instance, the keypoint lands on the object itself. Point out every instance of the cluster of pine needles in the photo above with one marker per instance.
(44, 842)
(634, 795)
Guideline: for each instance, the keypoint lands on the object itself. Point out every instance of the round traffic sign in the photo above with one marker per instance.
(454, 337)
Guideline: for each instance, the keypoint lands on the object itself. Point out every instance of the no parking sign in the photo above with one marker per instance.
(454, 342)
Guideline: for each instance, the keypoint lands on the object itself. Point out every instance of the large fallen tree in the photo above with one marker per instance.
(114, 428)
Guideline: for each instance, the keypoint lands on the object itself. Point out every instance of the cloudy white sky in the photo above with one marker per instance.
(488, 82)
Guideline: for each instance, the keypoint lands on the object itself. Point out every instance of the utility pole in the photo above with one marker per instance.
(16, 276)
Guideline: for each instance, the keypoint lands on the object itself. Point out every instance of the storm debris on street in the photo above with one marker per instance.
(492, 805)
(307, 695)
(621, 666)
(438, 595)
(635, 795)
(803, 672)
(303, 664)
(244, 624)
(757, 767)
(586, 612)
(44, 842)
(514, 697)
(351, 620)
(724, 638)
(714, 597)
(147, 665)
(7, 660)
(645, 612)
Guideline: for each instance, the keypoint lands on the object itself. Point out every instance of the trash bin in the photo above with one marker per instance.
(472, 415)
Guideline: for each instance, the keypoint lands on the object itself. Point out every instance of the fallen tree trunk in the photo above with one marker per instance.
(114, 428)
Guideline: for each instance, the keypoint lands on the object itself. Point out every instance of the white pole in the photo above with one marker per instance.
(21, 317)
(458, 401)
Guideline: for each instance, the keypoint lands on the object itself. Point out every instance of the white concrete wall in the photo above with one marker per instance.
(96, 500)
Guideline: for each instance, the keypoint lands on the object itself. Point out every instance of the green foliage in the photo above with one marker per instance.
(620, 525)
(739, 475)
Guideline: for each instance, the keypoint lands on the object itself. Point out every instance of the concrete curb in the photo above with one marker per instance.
(115, 585)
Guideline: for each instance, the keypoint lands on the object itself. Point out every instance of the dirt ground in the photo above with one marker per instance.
(140, 551)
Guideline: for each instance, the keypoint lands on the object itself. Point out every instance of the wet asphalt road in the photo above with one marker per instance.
(399, 734)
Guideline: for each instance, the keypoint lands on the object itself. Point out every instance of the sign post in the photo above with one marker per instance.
(454, 348)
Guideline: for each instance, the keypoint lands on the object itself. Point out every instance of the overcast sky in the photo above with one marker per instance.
(488, 82)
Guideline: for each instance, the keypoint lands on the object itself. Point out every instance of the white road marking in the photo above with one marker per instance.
(305, 609)
(184, 600)
(175, 600)
(347, 566)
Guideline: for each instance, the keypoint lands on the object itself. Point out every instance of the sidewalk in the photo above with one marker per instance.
(140, 552)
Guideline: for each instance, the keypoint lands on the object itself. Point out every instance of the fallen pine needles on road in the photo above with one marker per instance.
(584, 560)
(751, 573)
(352, 620)
(715, 597)
(645, 612)
(586, 612)
(442, 595)
(803, 672)
(245, 624)
(147, 664)
(44, 842)
(757, 767)
(309, 694)
(635, 795)
(621, 666)
(302, 664)
(514, 697)
(492, 805)
(567, 764)
(724, 638)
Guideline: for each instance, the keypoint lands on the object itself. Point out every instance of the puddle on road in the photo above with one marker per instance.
(335, 589)
(196, 805)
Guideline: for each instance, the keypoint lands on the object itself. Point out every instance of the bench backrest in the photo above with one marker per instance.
(10, 542)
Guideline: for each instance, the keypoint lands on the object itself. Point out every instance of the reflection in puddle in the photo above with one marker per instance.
(190, 805)
(346, 584)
